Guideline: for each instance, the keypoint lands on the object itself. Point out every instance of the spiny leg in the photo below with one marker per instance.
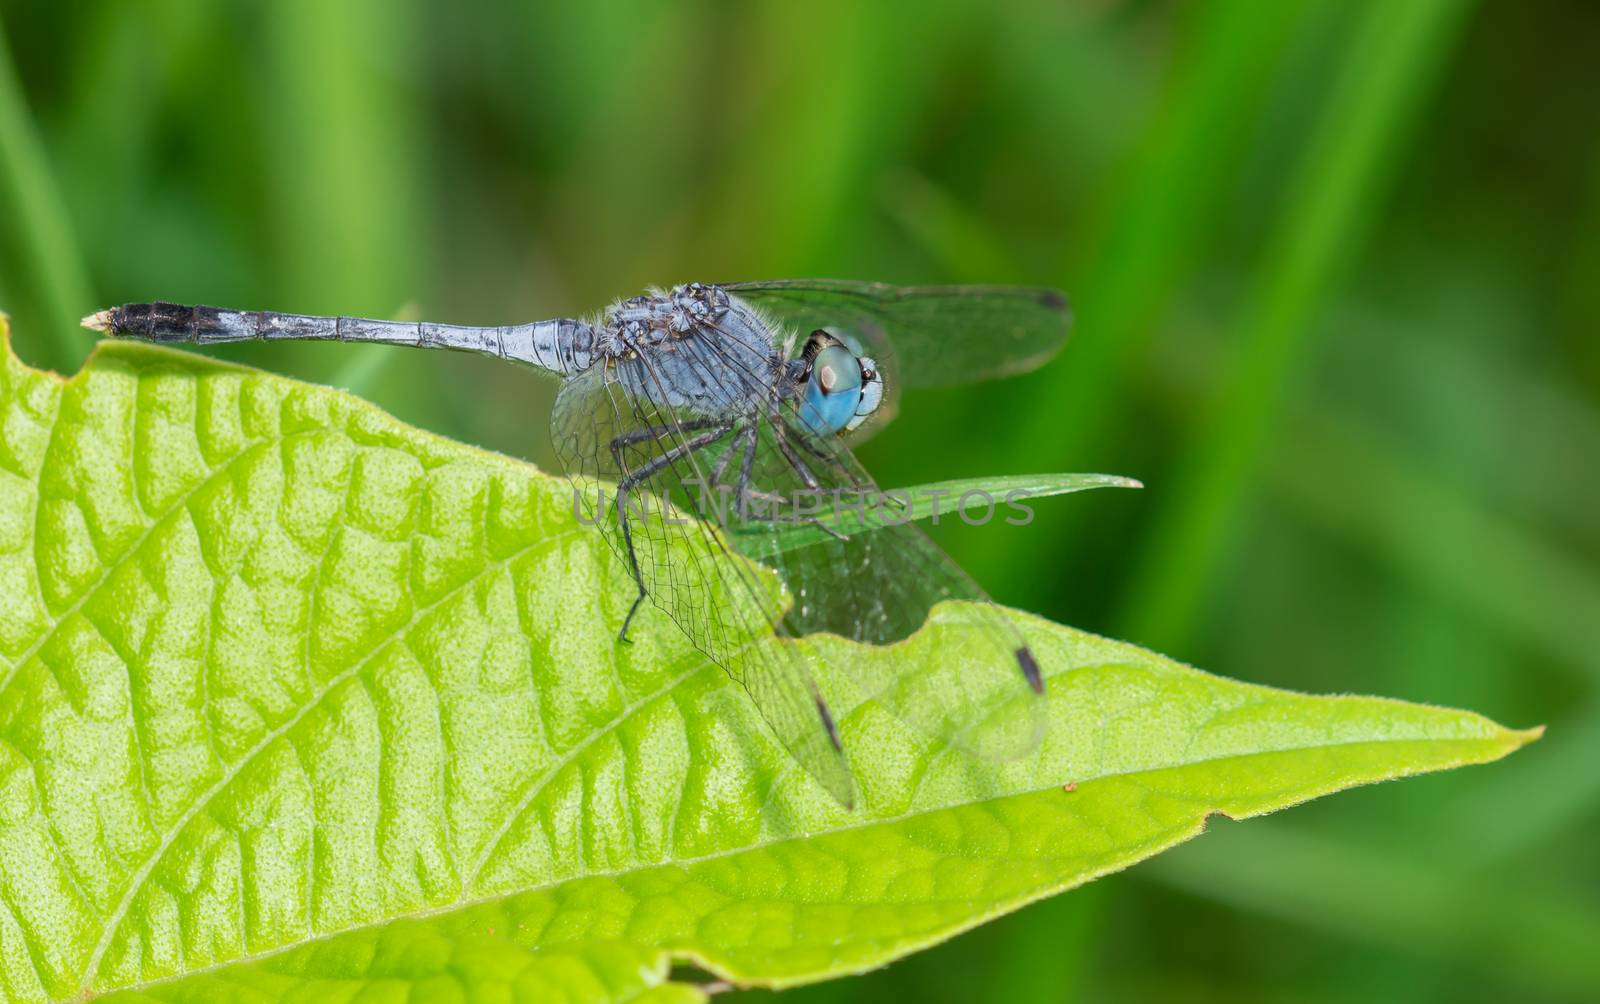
(744, 492)
(813, 449)
(816, 451)
(777, 519)
(633, 479)
(652, 433)
(820, 454)
(721, 466)
(796, 520)
(780, 433)
(648, 433)
(714, 484)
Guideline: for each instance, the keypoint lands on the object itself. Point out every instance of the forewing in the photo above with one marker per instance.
(878, 586)
(610, 422)
(925, 336)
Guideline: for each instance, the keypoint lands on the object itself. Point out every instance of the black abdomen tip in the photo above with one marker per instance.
(164, 322)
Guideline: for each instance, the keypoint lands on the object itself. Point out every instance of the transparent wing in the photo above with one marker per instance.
(880, 585)
(616, 438)
(875, 586)
(925, 336)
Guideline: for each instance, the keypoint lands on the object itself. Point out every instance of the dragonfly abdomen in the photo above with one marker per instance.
(561, 346)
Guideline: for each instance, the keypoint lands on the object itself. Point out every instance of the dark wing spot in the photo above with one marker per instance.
(1030, 669)
(1053, 298)
(827, 723)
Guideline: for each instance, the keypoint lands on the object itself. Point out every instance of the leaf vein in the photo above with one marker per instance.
(139, 878)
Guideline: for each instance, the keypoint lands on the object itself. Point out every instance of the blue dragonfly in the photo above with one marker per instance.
(736, 403)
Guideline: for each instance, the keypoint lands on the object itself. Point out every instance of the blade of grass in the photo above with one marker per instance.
(1390, 508)
(1052, 954)
(1391, 68)
(1580, 306)
(108, 167)
(600, 58)
(345, 154)
(46, 247)
(964, 245)
(1508, 577)
(790, 193)
(1149, 234)
(1554, 792)
(1493, 924)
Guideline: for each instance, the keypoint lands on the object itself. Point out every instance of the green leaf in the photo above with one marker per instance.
(298, 703)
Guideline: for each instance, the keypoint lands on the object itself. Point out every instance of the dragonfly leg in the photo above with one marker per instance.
(652, 433)
(742, 490)
(812, 448)
(780, 433)
(825, 528)
(747, 440)
(793, 520)
(721, 466)
(632, 480)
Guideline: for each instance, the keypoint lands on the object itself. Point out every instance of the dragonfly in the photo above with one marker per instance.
(739, 402)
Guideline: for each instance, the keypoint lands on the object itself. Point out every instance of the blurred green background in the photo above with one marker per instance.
(1336, 268)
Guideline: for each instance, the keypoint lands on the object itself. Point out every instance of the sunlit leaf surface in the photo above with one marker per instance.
(298, 703)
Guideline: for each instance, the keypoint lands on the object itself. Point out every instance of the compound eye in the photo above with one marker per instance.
(836, 371)
(832, 392)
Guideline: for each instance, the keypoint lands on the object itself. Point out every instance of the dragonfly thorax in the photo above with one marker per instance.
(693, 350)
(643, 322)
(697, 348)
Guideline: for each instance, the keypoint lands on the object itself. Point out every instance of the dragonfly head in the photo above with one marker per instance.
(841, 389)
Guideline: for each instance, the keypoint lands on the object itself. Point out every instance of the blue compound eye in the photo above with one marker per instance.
(833, 391)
